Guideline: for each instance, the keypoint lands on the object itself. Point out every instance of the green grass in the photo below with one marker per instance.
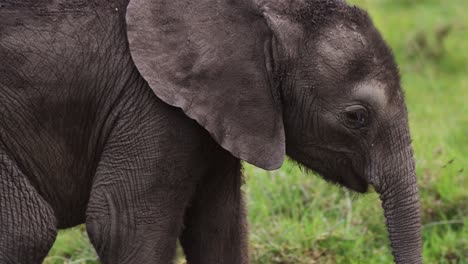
(298, 218)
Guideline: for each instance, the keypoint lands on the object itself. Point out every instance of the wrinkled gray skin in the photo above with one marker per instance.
(134, 121)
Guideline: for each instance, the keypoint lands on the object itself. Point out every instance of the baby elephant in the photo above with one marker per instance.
(132, 116)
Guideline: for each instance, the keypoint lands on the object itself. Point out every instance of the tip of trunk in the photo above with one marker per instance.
(402, 212)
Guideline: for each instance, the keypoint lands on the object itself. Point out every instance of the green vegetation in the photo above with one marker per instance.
(296, 217)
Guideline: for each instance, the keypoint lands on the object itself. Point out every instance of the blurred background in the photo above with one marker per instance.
(295, 217)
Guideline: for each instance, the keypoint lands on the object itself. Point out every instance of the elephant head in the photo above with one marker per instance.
(310, 79)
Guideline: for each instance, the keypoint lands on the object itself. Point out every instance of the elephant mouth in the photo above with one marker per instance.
(341, 171)
(354, 181)
(346, 177)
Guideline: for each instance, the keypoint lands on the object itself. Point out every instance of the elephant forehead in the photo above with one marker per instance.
(336, 46)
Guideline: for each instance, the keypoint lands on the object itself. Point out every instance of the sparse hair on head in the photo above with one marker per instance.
(316, 13)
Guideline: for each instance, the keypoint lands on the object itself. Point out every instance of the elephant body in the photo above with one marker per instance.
(61, 114)
(84, 140)
(135, 120)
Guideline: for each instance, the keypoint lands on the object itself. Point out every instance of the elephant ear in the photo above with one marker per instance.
(211, 58)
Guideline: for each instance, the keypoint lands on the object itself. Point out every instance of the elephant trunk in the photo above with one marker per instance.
(400, 201)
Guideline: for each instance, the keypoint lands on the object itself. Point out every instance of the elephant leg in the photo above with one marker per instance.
(215, 223)
(143, 183)
(134, 216)
(27, 222)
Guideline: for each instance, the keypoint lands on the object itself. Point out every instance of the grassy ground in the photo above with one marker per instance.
(298, 218)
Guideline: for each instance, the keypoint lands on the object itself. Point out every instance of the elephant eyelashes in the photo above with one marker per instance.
(357, 116)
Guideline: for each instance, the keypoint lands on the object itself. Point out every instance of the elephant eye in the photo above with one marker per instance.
(357, 116)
